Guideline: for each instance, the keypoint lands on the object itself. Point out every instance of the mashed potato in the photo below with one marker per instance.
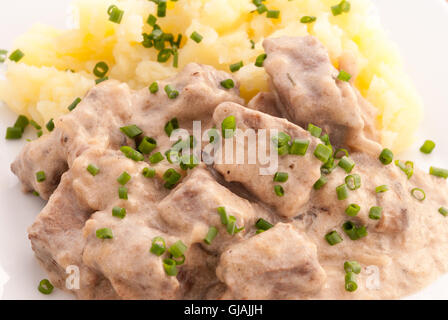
(41, 85)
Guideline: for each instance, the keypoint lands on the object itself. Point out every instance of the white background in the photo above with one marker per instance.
(419, 27)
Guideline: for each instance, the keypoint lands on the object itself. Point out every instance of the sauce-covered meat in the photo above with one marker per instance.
(141, 221)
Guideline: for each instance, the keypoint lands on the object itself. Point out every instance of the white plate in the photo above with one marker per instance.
(418, 27)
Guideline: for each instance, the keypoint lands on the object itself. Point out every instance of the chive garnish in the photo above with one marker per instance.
(104, 233)
(16, 56)
(40, 176)
(74, 104)
(101, 69)
(45, 287)
(158, 246)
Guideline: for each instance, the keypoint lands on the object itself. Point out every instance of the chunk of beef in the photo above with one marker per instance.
(308, 91)
(303, 170)
(56, 238)
(96, 121)
(280, 263)
(133, 271)
(192, 208)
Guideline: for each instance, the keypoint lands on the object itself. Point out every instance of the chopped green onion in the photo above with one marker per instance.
(361, 232)
(211, 234)
(104, 233)
(333, 238)
(101, 69)
(352, 231)
(131, 131)
(344, 76)
(260, 60)
(299, 147)
(353, 181)
(98, 81)
(170, 267)
(188, 162)
(227, 84)
(381, 189)
(123, 193)
(438, 172)
(281, 177)
(151, 20)
(3, 55)
(418, 194)
(279, 191)
(196, 37)
(45, 287)
(124, 178)
(171, 177)
(223, 214)
(115, 14)
(178, 249)
(325, 138)
(342, 192)
(132, 154)
(263, 224)
(40, 176)
(323, 152)
(13, 133)
(443, 211)
(35, 125)
(158, 246)
(261, 9)
(252, 44)
(147, 145)
(236, 66)
(50, 125)
(281, 140)
(273, 14)
(375, 213)
(228, 127)
(352, 210)
(347, 164)
(320, 183)
(119, 212)
(232, 227)
(154, 87)
(16, 56)
(179, 260)
(74, 104)
(386, 156)
(93, 169)
(352, 266)
(343, 6)
(350, 282)
(161, 8)
(338, 151)
(308, 19)
(314, 130)
(35, 193)
(156, 158)
(21, 122)
(164, 55)
(149, 172)
(427, 147)
(170, 126)
(329, 165)
(39, 133)
(407, 167)
(170, 92)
